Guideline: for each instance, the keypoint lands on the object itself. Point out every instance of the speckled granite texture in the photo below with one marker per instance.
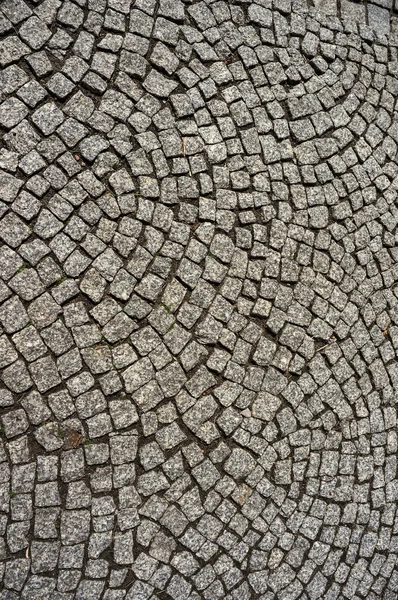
(198, 300)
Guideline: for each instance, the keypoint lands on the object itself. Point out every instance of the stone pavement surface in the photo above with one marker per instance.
(198, 300)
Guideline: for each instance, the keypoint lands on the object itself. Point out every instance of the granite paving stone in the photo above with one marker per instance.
(198, 300)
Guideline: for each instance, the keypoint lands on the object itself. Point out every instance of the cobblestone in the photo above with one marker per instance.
(198, 307)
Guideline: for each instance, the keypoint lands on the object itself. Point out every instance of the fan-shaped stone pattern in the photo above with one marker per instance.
(198, 217)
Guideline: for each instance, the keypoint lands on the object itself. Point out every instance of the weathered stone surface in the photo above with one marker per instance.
(198, 300)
